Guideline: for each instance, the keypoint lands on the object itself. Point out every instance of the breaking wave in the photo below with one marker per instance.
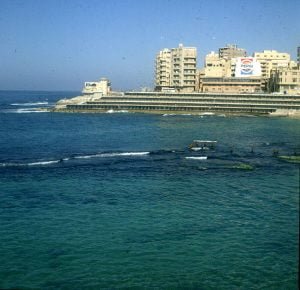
(207, 114)
(50, 162)
(38, 163)
(173, 114)
(30, 104)
(116, 111)
(43, 162)
(112, 155)
(24, 111)
(197, 157)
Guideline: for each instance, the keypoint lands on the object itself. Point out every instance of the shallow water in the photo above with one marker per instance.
(106, 201)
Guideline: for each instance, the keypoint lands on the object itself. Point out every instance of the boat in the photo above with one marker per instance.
(198, 145)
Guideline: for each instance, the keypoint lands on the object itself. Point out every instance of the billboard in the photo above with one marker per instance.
(247, 67)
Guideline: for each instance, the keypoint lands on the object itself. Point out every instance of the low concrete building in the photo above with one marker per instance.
(91, 91)
(230, 85)
(97, 89)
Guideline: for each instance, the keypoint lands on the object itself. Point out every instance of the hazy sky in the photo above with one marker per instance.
(57, 45)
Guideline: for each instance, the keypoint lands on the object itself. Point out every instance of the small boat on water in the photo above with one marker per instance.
(198, 145)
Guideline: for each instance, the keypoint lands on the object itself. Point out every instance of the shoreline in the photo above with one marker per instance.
(177, 112)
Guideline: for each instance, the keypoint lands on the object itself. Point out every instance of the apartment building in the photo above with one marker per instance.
(176, 69)
(215, 66)
(231, 51)
(285, 80)
(163, 69)
(222, 64)
(298, 56)
(229, 71)
(271, 59)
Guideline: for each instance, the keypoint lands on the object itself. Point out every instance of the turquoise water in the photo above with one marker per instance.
(110, 201)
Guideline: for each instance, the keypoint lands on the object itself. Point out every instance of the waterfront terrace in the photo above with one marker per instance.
(191, 102)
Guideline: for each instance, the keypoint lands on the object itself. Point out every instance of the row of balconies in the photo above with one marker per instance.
(150, 97)
(185, 77)
(185, 60)
(250, 107)
(191, 103)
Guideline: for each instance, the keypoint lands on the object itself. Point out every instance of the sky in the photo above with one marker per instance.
(60, 44)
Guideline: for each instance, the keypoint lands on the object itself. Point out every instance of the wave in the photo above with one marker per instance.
(30, 104)
(207, 114)
(38, 163)
(25, 111)
(197, 157)
(44, 162)
(173, 114)
(118, 111)
(164, 151)
(49, 162)
(111, 155)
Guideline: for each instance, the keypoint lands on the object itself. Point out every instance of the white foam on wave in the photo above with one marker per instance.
(20, 111)
(173, 114)
(87, 156)
(38, 163)
(43, 162)
(207, 114)
(30, 104)
(125, 154)
(118, 111)
(197, 157)
(23, 111)
(6, 164)
(103, 155)
(49, 162)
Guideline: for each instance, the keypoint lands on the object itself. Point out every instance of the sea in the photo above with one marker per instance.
(117, 200)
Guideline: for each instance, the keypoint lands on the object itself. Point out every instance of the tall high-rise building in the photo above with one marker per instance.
(163, 69)
(298, 56)
(231, 51)
(176, 69)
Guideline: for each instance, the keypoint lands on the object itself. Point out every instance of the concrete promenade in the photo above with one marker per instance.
(191, 102)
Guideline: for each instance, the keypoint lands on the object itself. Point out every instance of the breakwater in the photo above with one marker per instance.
(191, 102)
